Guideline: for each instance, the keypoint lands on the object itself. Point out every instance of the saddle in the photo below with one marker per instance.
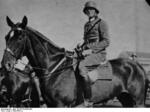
(101, 72)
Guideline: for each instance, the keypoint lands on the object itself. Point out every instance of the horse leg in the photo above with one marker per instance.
(137, 91)
(140, 99)
(140, 103)
(146, 91)
(126, 99)
(35, 99)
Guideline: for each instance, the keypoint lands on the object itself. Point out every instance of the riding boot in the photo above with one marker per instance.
(87, 92)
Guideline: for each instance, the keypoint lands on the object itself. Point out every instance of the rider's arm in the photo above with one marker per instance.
(103, 29)
(104, 43)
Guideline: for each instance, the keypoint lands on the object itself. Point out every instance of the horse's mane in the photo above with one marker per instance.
(49, 43)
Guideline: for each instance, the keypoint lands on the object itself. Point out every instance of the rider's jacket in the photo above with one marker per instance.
(96, 35)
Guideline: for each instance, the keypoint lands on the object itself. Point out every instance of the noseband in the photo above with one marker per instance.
(10, 51)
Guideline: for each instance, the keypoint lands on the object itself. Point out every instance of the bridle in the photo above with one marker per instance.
(13, 54)
(16, 57)
(10, 51)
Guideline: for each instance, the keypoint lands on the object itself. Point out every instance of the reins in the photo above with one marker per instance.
(53, 71)
(12, 53)
(39, 68)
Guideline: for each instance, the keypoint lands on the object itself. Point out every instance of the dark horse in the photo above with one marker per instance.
(60, 85)
(3, 91)
(18, 89)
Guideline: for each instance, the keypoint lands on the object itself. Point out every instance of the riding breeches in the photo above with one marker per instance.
(90, 60)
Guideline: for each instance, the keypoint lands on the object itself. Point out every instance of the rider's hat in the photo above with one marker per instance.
(90, 4)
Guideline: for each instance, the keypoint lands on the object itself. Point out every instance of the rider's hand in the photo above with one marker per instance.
(79, 47)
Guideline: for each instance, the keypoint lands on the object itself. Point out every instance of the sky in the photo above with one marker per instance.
(62, 22)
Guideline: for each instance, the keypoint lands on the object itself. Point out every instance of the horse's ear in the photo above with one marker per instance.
(24, 22)
(9, 22)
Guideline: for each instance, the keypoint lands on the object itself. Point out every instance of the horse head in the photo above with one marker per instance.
(15, 43)
(45, 58)
(25, 41)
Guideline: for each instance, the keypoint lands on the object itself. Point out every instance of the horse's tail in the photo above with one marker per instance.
(146, 89)
(147, 84)
(139, 69)
(147, 81)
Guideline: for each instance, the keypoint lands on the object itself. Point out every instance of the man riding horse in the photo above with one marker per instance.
(61, 88)
(96, 40)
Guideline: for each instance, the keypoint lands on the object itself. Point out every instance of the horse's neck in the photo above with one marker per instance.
(41, 56)
(50, 47)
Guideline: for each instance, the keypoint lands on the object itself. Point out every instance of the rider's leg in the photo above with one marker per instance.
(86, 86)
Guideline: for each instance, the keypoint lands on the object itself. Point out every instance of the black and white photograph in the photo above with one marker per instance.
(89, 54)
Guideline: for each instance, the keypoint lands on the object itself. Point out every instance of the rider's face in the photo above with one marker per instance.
(91, 13)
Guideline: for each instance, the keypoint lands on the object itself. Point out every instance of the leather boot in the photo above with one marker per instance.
(87, 93)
